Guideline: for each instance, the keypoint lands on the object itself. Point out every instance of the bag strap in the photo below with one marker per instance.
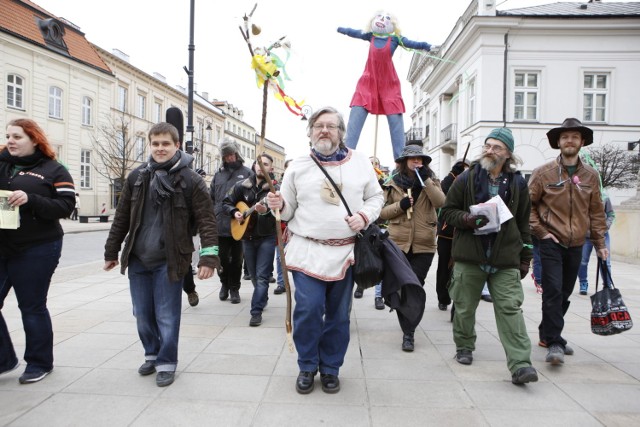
(332, 183)
(602, 264)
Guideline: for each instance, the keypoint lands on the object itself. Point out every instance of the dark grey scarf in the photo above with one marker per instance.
(161, 186)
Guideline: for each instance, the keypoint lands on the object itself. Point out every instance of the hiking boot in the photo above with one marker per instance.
(280, 289)
(165, 378)
(272, 279)
(464, 357)
(33, 377)
(407, 342)
(537, 284)
(304, 382)
(568, 351)
(256, 320)
(193, 298)
(147, 368)
(224, 293)
(358, 292)
(524, 375)
(330, 383)
(379, 303)
(555, 356)
(583, 288)
(235, 296)
(246, 277)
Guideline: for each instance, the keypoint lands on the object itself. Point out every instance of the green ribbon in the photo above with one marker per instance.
(212, 250)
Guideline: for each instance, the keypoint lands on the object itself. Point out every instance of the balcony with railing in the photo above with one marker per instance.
(449, 133)
(416, 134)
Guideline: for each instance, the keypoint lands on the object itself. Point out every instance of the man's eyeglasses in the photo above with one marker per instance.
(319, 126)
(494, 148)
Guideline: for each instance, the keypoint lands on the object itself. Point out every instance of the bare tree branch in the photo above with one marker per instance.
(618, 167)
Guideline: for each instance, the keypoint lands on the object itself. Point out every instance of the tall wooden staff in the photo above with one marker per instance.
(265, 174)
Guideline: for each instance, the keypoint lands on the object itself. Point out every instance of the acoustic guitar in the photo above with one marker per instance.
(240, 230)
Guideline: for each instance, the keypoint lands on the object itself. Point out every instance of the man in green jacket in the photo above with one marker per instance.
(500, 258)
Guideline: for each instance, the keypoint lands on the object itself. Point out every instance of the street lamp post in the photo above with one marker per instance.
(190, 73)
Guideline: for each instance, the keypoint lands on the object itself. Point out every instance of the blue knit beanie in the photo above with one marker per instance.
(504, 135)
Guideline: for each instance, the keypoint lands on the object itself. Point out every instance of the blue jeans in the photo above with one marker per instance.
(586, 254)
(321, 322)
(280, 279)
(258, 255)
(537, 265)
(29, 273)
(358, 116)
(157, 306)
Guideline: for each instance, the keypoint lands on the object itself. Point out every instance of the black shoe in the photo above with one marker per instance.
(407, 341)
(358, 292)
(304, 383)
(442, 307)
(524, 375)
(246, 277)
(379, 303)
(12, 368)
(224, 293)
(235, 296)
(464, 356)
(555, 356)
(33, 377)
(486, 298)
(256, 320)
(193, 298)
(330, 383)
(272, 279)
(147, 368)
(568, 351)
(165, 378)
(279, 290)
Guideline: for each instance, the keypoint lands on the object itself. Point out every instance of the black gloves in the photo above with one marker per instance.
(475, 221)
(457, 169)
(405, 203)
(524, 269)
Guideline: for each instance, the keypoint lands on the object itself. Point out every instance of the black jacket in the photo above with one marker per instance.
(248, 192)
(223, 181)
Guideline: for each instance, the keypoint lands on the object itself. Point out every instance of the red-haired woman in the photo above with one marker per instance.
(43, 191)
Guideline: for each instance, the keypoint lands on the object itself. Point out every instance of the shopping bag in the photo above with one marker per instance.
(609, 314)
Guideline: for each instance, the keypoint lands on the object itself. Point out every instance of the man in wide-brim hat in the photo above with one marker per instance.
(565, 203)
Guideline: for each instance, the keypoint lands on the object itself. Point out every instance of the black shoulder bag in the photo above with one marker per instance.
(368, 268)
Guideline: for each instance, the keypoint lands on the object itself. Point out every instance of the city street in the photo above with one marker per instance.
(230, 374)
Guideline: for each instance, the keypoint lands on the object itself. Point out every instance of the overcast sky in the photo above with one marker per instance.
(324, 65)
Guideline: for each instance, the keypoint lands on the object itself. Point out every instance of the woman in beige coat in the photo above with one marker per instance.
(411, 200)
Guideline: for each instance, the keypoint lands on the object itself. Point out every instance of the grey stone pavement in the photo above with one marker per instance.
(232, 374)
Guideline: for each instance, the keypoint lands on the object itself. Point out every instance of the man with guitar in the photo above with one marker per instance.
(233, 170)
(253, 223)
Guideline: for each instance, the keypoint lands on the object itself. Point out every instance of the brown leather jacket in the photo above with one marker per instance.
(565, 209)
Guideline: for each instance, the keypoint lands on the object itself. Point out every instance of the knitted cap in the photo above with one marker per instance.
(504, 135)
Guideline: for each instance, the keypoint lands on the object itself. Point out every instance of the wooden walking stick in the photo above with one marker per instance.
(410, 210)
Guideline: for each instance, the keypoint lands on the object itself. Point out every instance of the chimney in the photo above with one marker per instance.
(486, 7)
(160, 77)
(205, 95)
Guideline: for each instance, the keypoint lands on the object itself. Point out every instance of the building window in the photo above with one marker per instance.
(85, 169)
(218, 134)
(55, 102)
(87, 104)
(120, 143)
(526, 96)
(15, 91)
(596, 87)
(158, 112)
(471, 102)
(142, 105)
(122, 99)
(140, 143)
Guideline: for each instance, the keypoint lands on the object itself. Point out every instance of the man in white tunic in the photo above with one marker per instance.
(321, 237)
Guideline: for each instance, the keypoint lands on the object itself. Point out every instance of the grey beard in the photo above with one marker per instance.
(488, 164)
(325, 148)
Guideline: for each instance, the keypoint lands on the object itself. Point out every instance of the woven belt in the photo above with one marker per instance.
(334, 242)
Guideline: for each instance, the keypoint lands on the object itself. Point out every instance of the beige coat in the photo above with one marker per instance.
(419, 232)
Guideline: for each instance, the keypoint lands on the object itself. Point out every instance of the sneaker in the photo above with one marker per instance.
(358, 292)
(272, 279)
(486, 297)
(165, 378)
(555, 356)
(524, 375)
(193, 298)
(568, 351)
(224, 293)
(464, 357)
(379, 303)
(537, 284)
(256, 320)
(408, 342)
(33, 377)
(583, 288)
(235, 296)
(13, 368)
(442, 307)
(280, 289)
(147, 368)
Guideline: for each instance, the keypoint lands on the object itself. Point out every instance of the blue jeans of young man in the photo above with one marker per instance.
(29, 273)
(358, 116)
(258, 255)
(559, 272)
(321, 322)
(584, 263)
(157, 306)
(537, 265)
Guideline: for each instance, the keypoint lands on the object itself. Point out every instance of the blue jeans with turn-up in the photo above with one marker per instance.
(358, 116)
(29, 273)
(321, 322)
(258, 254)
(157, 306)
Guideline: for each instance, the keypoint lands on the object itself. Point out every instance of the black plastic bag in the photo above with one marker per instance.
(368, 268)
(609, 314)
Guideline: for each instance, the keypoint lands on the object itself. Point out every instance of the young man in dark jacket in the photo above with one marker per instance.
(159, 201)
(259, 240)
(499, 258)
